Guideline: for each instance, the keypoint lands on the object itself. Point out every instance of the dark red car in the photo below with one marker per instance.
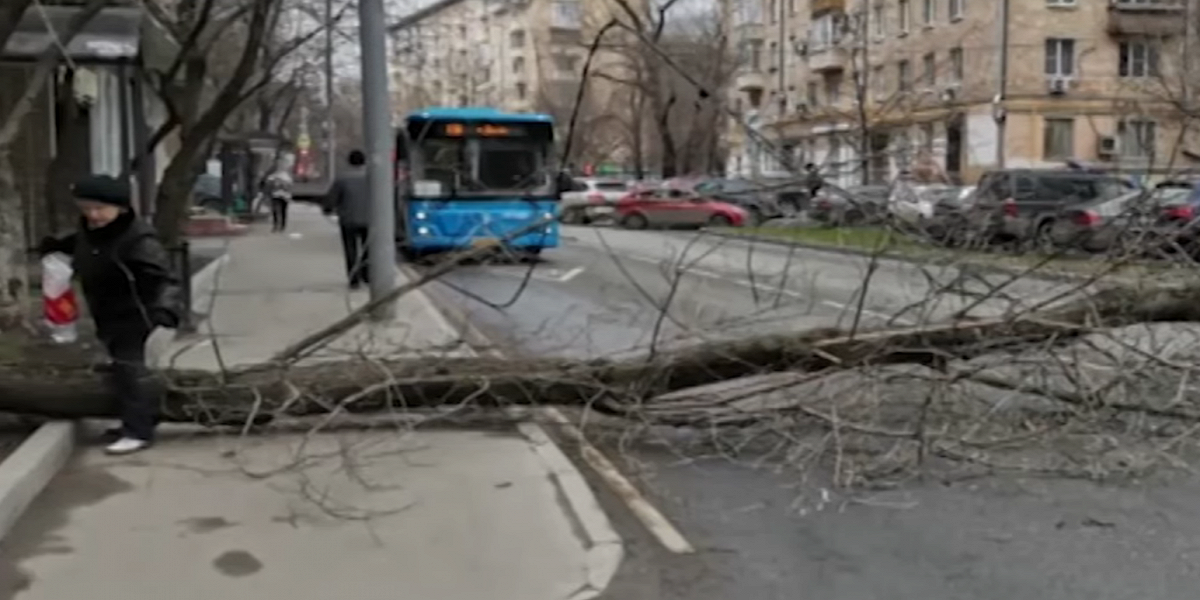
(669, 208)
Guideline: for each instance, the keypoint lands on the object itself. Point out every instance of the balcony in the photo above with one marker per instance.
(1146, 17)
(828, 58)
(749, 80)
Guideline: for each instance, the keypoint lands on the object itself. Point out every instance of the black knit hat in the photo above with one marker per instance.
(104, 189)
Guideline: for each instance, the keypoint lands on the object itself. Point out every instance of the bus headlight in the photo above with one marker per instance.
(548, 215)
(422, 231)
(420, 216)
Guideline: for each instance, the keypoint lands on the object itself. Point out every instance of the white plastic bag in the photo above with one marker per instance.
(60, 307)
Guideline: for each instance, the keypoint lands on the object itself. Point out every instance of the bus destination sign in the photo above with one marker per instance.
(484, 130)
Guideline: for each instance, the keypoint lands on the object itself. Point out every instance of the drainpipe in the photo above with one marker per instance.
(998, 111)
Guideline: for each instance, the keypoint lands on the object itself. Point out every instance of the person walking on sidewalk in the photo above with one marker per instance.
(130, 291)
(349, 199)
(279, 189)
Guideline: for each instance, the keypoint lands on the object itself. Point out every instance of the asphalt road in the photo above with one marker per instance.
(765, 531)
(604, 291)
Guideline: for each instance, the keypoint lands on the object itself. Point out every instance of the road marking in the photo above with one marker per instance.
(651, 518)
(550, 274)
(572, 274)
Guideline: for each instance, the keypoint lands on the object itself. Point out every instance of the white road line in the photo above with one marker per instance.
(569, 275)
(651, 518)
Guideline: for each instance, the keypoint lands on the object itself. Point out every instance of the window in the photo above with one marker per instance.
(813, 98)
(773, 11)
(1058, 138)
(1137, 138)
(833, 88)
(522, 91)
(1137, 59)
(879, 82)
(877, 20)
(1060, 2)
(565, 63)
(1060, 57)
(754, 50)
(928, 12)
(518, 65)
(509, 166)
(956, 65)
(823, 32)
(904, 16)
(568, 14)
(954, 9)
(773, 56)
(749, 13)
(930, 72)
(927, 138)
(516, 38)
(903, 76)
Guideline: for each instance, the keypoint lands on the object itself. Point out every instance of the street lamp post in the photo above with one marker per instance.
(377, 128)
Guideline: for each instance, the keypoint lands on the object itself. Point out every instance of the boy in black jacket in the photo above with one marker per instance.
(130, 290)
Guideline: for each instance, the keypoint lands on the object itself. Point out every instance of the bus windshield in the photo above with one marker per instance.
(480, 167)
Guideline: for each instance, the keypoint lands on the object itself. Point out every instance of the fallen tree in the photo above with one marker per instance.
(56, 382)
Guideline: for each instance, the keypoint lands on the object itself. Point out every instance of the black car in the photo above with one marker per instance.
(758, 199)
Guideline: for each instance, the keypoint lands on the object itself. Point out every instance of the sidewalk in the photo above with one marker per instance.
(276, 288)
(369, 515)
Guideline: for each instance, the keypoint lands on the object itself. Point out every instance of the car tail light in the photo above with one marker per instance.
(1087, 218)
(1010, 208)
(595, 198)
(1183, 213)
(824, 204)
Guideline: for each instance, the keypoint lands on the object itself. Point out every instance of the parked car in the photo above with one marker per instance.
(591, 199)
(760, 200)
(1021, 205)
(857, 205)
(912, 205)
(1122, 223)
(670, 208)
(949, 224)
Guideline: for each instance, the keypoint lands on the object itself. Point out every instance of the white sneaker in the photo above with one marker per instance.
(126, 445)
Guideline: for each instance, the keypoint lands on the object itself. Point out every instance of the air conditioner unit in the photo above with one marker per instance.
(1106, 146)
(1058, 86)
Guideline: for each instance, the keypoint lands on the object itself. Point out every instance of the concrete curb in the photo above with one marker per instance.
(455, 319)
(203, 282)
(25, 473)
(605, 550)
(856, 252)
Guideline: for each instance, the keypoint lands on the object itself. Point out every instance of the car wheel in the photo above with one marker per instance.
(635, 221)
(754, 217)
(789, 209)
(720, 221)
(854, 217)
(571, 216)
(1043, 239)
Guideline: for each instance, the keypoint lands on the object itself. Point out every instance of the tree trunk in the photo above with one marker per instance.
(50, 381)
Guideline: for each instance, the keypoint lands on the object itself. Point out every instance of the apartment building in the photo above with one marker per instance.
(951, 88)
(513, 54)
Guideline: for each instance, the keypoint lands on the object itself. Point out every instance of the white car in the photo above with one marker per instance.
(912, 204)
(591, 199)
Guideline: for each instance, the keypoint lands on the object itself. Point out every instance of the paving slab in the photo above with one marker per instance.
(438, 515)
(274, 289)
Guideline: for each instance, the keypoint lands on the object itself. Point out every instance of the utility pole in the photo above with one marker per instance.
(377, 127)
(999, 113)
(330, 134)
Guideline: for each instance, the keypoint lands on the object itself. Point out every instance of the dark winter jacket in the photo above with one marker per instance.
(125, 274)
(350, 199)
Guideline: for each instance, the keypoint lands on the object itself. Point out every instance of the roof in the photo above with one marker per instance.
(114, 34)
(478, 113)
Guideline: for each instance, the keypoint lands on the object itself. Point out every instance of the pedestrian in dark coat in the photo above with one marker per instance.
(130, 289)
(349, 198)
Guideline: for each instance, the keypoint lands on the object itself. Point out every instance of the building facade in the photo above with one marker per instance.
(948, 89)
(517, 55)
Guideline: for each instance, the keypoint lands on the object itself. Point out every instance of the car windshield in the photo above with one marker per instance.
(611, 186)
(510, 166)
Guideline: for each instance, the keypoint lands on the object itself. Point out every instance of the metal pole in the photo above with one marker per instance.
(377, 127)
(1000, 113)
(330, 133)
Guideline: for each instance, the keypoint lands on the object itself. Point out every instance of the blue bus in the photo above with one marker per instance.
(468, 177)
